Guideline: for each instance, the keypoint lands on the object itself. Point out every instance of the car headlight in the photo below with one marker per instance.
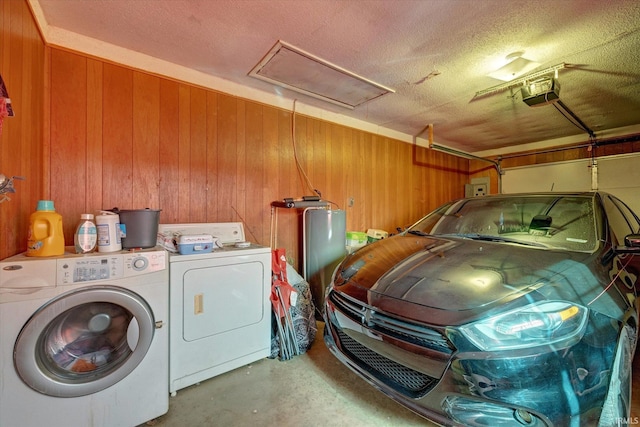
(542, 323)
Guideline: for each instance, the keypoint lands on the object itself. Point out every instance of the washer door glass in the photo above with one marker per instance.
(84, 341)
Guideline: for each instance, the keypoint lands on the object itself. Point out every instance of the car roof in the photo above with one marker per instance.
(542, 194)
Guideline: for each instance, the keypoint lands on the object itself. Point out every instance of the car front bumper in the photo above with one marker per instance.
(451, 387)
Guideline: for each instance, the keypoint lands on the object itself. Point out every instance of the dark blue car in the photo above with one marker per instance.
(502, 310)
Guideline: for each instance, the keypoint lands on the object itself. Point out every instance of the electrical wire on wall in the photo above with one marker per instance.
(307, 201)
(301, 170)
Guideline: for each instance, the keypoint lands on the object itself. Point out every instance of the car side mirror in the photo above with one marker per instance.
(632, 240)
(631, 245)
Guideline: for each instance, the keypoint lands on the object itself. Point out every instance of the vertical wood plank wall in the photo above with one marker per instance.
(92, 135)
(123, 138)
(22, 66)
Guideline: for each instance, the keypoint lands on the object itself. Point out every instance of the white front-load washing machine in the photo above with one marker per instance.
(84, 339)
(219, 304)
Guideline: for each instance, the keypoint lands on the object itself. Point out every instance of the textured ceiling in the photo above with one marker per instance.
(435, 54)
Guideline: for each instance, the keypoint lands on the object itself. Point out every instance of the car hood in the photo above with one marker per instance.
(460, 276)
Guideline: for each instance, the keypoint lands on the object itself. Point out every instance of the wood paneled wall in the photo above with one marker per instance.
(93, 135)
(124, 138)
(22, 145)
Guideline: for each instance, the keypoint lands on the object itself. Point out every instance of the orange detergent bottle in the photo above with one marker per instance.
(46, 235)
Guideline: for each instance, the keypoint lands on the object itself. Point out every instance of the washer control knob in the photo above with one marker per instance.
(139, 264)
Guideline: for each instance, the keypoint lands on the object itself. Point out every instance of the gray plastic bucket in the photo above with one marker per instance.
(141, 227)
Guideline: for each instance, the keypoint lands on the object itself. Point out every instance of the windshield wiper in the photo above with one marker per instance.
(418, 233)
(492, 238)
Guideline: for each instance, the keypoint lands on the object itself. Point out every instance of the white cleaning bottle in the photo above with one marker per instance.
(86, 237)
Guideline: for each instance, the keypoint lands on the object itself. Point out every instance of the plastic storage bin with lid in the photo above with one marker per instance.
(373, 235)
(196, 243)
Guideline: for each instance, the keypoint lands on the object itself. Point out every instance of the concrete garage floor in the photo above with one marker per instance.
(310, 390)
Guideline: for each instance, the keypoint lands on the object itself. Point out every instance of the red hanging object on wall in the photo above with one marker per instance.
(6, 110)
(3, 112)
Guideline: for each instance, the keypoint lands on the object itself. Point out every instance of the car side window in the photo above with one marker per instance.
(621, 218)
(631, 217)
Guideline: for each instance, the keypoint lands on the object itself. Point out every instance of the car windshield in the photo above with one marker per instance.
(550, 221)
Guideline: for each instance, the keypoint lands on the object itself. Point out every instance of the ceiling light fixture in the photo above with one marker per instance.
(520, 81)
(292, 68)
(516, 67)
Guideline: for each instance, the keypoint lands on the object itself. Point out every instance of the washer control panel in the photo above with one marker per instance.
(97, 266)
(89, 269)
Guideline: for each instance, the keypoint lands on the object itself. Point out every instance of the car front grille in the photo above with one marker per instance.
(405, 380)
(413, 333)
(402, 379)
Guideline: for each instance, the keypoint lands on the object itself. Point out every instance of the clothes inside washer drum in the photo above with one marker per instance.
(302, 313)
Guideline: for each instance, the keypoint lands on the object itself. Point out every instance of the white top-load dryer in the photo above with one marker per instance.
(219, 304)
